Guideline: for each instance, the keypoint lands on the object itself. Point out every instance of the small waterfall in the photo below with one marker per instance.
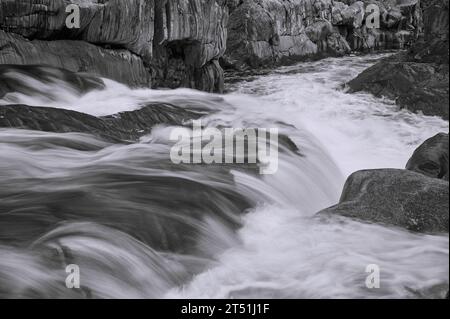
(140, 226)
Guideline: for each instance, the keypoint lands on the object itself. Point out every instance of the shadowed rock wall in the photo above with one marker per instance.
(169, 43)
(417, 80)
(263, 32)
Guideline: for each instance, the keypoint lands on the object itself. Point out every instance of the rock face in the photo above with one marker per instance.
(396, 197)
(400, 24)
(76, 56)
(169, 43)
(268, 32)
(419, 79)
(178, 43)
(190, 37)
(431, 158)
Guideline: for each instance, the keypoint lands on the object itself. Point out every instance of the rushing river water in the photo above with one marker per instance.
(140, 226)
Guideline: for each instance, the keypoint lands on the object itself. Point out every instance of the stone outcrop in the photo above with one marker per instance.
(179, 43)
(419, 79)
(190, 37)
(431, 158)
(76, 56)
(266, 32)
(400, 25)
(127, 24)
(122, 127)
(396, 197)
(415, 198)
(170, 43)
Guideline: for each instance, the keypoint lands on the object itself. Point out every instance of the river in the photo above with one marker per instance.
(140, 226)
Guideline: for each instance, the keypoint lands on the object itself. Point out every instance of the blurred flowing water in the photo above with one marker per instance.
(140, 226)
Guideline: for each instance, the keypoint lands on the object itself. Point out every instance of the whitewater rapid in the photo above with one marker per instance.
(279, 250)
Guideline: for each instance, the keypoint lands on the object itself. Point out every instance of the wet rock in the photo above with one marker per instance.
(126, 126)
(396, 197)
(419, 79)
(431, 158)
(19, 78)
(416, 86)
(125, 194)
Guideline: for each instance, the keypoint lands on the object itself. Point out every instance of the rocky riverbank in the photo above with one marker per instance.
(179, 43)
(271, 32)
(415, 198)
(163, 43)
(417, 80)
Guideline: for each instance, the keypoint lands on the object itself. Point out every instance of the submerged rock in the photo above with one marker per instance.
(23, 79)
(126, 126)
(431, 158)
(396, 197)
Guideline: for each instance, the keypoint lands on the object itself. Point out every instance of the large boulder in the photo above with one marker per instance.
(431, 158)
(170, 43)
(419, 79)
(415, 86)
(396, 197)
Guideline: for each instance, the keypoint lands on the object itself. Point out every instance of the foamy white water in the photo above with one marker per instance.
(281, 251)
(286, 254)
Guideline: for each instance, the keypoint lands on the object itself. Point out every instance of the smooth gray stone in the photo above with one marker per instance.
(397, 198)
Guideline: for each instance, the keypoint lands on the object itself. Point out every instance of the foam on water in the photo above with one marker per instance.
(281, 250)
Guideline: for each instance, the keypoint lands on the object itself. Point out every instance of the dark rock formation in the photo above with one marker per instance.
(126, 24)
(400, 25)
(126, 126)
(419, 79)
(396, 197)
(169, 43)
(178, 43)
(431, 158)
(76, 56)
(190, 37)
(266, 32)
(414, 86)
